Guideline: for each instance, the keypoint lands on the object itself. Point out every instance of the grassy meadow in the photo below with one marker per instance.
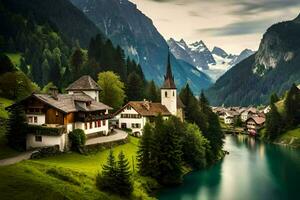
(66, 176)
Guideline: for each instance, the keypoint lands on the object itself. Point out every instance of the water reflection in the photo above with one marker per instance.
(252, 170)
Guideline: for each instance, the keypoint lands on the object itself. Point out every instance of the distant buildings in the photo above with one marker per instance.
(252, 118)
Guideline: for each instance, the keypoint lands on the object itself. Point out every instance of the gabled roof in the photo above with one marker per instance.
(68, 103)
(258, 120)
(169, 78)
(83, 83)
(146, 108)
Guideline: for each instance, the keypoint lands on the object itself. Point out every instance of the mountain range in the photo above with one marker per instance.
(272, 69)
(129, 28)
(214, 63)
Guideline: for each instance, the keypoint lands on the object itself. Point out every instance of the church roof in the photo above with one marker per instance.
(169, 78)
(83, 83)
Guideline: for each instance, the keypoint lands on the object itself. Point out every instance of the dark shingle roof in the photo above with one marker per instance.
(169, 78)
(83, 83)
(72, 102)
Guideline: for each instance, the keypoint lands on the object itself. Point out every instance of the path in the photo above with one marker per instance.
(16, 159)
(117, 136)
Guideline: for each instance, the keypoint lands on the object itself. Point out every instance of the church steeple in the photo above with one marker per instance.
(169, 78)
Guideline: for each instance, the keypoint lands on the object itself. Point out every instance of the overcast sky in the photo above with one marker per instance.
(231, 24)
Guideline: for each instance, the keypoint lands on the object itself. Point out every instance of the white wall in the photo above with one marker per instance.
(93, 94)
(89, 130)
(40, 119)
(170, 101)
(46, 141)
(129, 121)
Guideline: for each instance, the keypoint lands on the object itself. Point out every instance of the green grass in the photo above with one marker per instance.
(291, 137)
(67, 176)
(4, 103)
(15, 58)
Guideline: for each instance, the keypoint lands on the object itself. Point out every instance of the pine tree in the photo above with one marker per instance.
(17, 128)
(77, 61)
(152, 93)
(107, 179)
(144, 151)
(45, 70)
(274, 124)
(134, 87)
(292, 106)
(124, 183)
(23, 66)
(274, 98)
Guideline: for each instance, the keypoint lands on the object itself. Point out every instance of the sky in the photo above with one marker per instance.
(233, 25)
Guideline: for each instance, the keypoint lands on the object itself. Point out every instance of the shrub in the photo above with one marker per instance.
(77, 138)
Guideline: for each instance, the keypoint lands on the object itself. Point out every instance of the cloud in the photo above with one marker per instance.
(238, 28)
(244, 7)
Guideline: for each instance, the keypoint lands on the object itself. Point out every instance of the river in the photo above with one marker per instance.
(253, 170)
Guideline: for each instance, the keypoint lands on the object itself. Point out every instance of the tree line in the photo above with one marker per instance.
(277, 123)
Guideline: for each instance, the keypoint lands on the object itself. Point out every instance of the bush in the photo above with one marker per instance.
(77, 138)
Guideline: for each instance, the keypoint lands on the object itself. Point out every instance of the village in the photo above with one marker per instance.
(247, 120)
(51, 117)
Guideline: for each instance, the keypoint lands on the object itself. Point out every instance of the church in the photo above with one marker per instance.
(135, 114)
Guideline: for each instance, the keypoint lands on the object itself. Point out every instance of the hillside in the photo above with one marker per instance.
(62, 15)
(272, 69)
(125, 25)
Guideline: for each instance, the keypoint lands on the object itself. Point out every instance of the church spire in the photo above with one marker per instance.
(169, 78)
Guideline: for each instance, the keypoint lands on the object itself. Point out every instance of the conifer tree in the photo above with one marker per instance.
(144, 151)
(77, 61)
(17, 128)
(123, 180)
(107, 179)
(292, 106)
(274, 124)
(134, 87)
(152, 93)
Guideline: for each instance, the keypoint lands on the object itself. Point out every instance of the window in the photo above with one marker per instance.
(91, 125)
(38, 138)
(85, 125)
(104, 122)
(99, 123)
(96, 124)
(35, 120)
(128, 108)
(133, 125)
(56, 113)
(173, 94)
(166, 94)
(29, 119)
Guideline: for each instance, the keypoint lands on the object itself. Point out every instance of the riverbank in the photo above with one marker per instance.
(257, 170)
(289, 138)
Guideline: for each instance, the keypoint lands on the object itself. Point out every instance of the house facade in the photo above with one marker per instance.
(135, 114)
(52, 116)
(248, 113)
(254, 124)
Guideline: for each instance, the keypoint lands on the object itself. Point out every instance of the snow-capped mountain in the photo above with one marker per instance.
(196, 54)
(214, 63)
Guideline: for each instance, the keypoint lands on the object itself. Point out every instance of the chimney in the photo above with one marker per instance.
(146, 104)
(53, 92)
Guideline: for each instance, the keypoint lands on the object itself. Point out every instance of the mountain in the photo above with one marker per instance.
(196, 54)
(214, 63)
(129, 28)
(62, 15)
(273, 68)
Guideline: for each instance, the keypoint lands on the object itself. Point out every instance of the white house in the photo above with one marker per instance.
(52, 116)
(136, 114)
(248, 113)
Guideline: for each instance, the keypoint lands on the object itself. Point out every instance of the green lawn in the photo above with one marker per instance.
(67, 176)
(15, 58)
(291, 137)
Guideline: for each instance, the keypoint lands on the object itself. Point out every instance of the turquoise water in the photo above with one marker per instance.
(252, 171)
